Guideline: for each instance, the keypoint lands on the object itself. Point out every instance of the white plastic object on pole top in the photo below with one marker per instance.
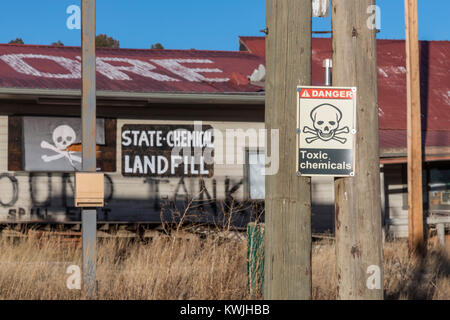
(320, 8)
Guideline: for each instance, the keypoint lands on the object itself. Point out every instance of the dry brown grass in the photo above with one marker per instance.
(165, 268)
(187, 267)
(405, 277)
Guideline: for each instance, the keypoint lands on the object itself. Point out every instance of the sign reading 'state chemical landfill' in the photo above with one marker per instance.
(326, 131)
(167, 150)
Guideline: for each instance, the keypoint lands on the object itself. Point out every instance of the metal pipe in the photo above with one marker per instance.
(328, 65)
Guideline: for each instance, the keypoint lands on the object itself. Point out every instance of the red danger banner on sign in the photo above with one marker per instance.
(326, 94)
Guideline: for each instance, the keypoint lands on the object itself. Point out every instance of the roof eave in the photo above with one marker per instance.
(254, 98)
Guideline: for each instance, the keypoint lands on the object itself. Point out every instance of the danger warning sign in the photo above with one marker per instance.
(326, 131)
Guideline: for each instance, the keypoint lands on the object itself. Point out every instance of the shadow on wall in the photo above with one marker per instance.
(52, 201)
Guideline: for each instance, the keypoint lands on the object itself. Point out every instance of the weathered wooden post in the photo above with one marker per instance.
(88, 119)
(357, 199)
(415, 200)
(288, 197)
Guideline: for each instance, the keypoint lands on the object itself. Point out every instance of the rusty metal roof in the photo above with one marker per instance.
(129, 70)
(435, 86)
(202, 72)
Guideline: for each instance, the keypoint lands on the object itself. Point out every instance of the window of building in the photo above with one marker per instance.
(255, 165)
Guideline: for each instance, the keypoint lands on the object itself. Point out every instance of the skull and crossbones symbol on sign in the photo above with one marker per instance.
(326, 119)
(63, 137)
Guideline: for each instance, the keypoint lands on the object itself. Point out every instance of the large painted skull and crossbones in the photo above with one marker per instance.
(326, 119)
(63, 137)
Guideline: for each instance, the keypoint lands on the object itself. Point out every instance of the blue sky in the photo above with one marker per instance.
(177, 24)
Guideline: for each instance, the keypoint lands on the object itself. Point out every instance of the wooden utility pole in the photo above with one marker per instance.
(88, 123)
(359, 254)
(288, 197)
(415, 201)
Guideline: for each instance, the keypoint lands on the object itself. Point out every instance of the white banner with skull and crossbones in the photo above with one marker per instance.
(63, 137)
(53, 144)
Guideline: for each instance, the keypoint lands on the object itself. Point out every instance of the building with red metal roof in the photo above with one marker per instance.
(31, 67)
(435, 86)
(159, 90)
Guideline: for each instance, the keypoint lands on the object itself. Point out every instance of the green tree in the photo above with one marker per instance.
(157, 46)
(58, 44)
(103, 41)
(17, 41)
